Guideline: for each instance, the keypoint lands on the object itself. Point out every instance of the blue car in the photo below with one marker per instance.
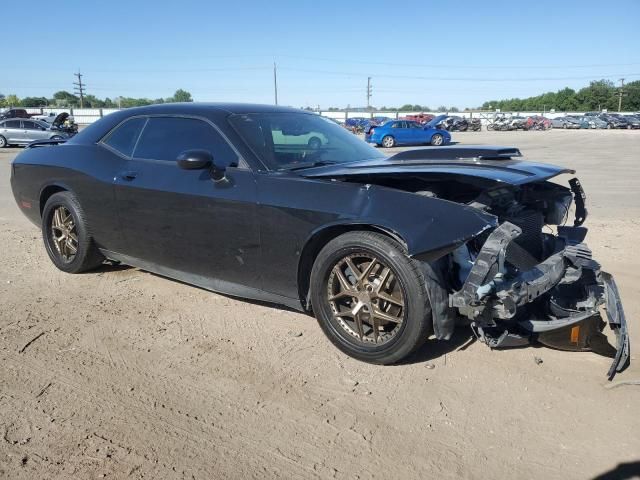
(406, 132)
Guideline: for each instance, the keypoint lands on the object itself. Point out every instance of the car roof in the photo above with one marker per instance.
(219, 107)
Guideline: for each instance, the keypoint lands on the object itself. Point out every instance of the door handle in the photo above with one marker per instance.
(128, 175)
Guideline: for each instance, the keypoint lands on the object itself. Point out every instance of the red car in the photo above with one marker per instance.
(421, 118)
(537, 122)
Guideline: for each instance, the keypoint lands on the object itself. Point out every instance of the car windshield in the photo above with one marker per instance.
(286, 141)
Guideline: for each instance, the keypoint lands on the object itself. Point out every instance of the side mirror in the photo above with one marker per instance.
(195, 160)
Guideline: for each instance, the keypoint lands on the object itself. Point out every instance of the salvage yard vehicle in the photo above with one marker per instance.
(383, 250)
(593, 122)
(614, 121)
(17, 131)
(566, 122)
(406, 132)
(14, 113)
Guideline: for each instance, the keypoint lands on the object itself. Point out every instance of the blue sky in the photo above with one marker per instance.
(457, 53)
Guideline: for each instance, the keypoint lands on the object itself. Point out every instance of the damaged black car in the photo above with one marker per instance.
(284, 206)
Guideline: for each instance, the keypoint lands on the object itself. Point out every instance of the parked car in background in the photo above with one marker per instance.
(633, 120)
(406, 132)
(380, 120)
(594, 122)
(14, 113)
(613, 121)
(421, 118)
(19, 131)
(516, 123)
(47, 117)
(537, 122)
(567, 122)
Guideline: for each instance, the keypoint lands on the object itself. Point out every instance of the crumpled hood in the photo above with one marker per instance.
(507, 170)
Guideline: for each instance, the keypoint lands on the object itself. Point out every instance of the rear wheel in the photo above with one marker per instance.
(388, 141)
(437, 140)
(370, 298)
(3, 142)
(66, 236)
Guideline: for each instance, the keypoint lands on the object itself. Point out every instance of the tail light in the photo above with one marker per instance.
(371, 131)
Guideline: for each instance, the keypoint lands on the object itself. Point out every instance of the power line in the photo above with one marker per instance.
(79, 88)
(460, 79)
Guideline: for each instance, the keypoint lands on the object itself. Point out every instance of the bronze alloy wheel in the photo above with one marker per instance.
(63, 234)
(366, 298)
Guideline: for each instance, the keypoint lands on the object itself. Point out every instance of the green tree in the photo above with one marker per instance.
(65, 99)
(181, 96)
(12, 101)
(34, 102)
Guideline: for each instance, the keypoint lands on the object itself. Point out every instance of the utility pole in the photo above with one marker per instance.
(369, 87)
(620, 94)
(79, 88)
(275, 82)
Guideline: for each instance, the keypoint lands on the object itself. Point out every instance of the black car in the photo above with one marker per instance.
(384, 251)
(614, 121)
(633, 121)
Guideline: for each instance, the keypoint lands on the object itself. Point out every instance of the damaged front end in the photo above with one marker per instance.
(516, 291)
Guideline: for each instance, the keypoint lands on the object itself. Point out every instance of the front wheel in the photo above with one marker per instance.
(370, 298)
(388, 141)
(437, 140)
(66, 236)
(314, 143)
(3, 142)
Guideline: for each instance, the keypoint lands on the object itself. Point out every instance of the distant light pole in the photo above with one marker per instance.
(275, 82)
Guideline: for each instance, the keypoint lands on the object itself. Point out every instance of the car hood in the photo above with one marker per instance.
(60, 118)
(510, 171)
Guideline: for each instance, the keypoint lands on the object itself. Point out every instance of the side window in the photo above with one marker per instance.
(12, 124)
(123, 138)
(397, 125)
(164, 138)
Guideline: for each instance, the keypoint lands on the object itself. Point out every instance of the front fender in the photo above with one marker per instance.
(429, 227)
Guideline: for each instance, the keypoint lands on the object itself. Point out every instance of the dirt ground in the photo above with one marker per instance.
(131, 375)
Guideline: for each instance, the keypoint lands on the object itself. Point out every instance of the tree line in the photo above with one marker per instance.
(68, 100)
(600, 94)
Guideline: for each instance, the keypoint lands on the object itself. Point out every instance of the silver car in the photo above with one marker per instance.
(21, 131)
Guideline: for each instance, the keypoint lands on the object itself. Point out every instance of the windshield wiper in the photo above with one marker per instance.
(301, 166)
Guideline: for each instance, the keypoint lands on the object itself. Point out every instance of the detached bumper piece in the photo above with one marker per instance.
(513, 300)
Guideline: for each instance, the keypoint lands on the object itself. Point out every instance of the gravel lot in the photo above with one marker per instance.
(132, 375)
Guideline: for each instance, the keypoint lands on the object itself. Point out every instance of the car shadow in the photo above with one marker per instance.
(461, 339)
(622, 471)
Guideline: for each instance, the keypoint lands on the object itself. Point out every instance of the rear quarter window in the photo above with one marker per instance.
(124, 137)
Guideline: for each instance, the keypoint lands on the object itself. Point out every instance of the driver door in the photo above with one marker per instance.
(182, 222)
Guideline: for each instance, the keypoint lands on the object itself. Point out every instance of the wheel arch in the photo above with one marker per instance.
(47, 191)
(317, 241)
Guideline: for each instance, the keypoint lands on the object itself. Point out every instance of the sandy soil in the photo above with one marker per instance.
(130, 375)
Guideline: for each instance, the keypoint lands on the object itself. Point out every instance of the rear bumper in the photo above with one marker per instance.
(556, 302)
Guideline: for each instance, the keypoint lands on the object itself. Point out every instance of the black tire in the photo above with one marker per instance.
(437, 140)
(490, 127)
(417, 323)
(388, 141)
(3, 142)
(87, 255)
(314, 143)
